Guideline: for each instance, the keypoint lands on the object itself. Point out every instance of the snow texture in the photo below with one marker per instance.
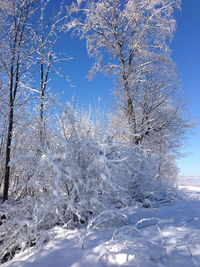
(161, 235)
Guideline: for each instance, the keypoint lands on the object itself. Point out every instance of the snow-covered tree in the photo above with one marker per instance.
(15, 56)
(47, 34)
(130, 40)
(28, 37)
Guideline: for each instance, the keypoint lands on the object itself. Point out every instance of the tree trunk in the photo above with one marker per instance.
(42, 103)
(8, 151)
(130, 108)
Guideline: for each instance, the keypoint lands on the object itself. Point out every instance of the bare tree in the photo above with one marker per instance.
(48, 32)
(15, 57)
(30, 31)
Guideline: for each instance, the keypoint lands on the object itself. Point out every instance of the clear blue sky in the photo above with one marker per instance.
(186, 52)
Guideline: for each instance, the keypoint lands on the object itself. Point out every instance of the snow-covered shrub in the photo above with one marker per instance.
(75, 172)
(79, 176)
(21, 225)
(138, 177)
(109, 218)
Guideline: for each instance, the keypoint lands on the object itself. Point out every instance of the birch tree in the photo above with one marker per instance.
(130, 41)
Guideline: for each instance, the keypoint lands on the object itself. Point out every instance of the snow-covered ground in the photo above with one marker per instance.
(166, 235)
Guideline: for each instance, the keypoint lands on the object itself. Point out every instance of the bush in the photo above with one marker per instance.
(80, 174)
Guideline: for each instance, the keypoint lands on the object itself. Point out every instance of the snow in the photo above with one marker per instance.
(165, 235)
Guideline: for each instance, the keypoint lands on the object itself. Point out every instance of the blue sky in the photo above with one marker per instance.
(186, 53)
